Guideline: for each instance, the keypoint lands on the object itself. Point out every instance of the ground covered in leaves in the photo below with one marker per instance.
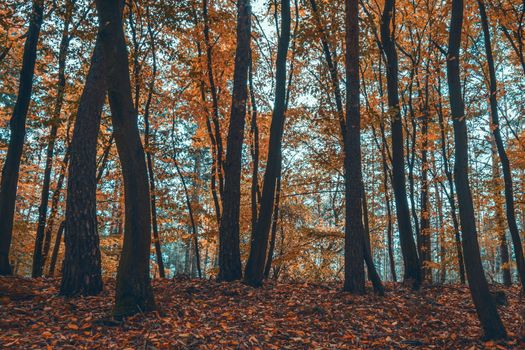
(201, 314)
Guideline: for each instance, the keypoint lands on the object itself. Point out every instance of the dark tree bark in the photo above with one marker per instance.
(149, 157)
(354, 272)
(479, 289)
(38, 259)
(133, 290)
(17, 124)
(408, 247)
(229, 251)
(81, 270)
(254, 149)
(254, 272)
(505, 164)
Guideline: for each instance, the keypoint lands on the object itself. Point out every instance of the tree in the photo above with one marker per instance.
(504, 159)
(133, 290)
(17, 124)
(81, 270)
(479, 289)
(254, 272)
(410, 258)
(38, 255)
(354, 231)
(229, 251)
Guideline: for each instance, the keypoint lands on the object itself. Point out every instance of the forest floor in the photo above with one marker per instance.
(202, 314)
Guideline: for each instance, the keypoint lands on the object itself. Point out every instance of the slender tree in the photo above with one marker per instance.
(479, 289)
(254, 272)
(408, 247)
(17, 124)
(504, 159)
(38, 256)
(229, 251)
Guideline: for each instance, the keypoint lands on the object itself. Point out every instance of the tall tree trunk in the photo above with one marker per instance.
(149, 156)
(425, 247)
(38, 259)
(451, 195)
(254, 148)
(479, 289)
(408, 247)
(133, 290)
(17, 124)
(81, 270)
(505, 164)
(354, 272)
(229, 251)
(254, 272)
(499, 219)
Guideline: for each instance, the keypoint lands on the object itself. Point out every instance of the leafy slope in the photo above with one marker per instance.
(198, 314)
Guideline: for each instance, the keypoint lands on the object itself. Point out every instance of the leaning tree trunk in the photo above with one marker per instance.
(81, 270)
(11, 169)
(133, 290)
(229, 251)
(505, 164)
(254, 272)
(38, 258)
(408, 247)
(479, 289)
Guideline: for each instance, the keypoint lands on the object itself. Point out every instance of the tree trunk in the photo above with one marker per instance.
(273, 234)
(254, 272)
(214, 96)
(354, 273)
(426, 244)
(254, 149)
(17, 124)
(373, 275)
(408, 247)
(38, 259)
(451, 195)
(229, 251)
(149, 157)
(81, 270)
(499, 219)
(485, 307)
(56, 248)
(505, 164)
(133, 290)
(54, 207)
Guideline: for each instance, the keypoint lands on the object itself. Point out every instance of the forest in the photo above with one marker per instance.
(264, 174)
